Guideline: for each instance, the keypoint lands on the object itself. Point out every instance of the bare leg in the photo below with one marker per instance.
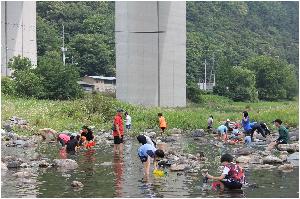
(147, 167)
(271, 146)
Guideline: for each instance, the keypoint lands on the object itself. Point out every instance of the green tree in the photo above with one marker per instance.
(8, 86)
(275, 79)
(19, 63)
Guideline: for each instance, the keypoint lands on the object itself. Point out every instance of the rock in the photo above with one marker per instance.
(14, 164)
(294, 158)
(243, 159)
(283, 157)
(175, 131)
(44, 164)
(201, 139)
(37, 138)
(22, 174)
(19, 142)
(65, 163)
(47, 134)
(168, 139)
(264, 166)
(198, 133)
(245, 151)
(24, 165)
(151, 134)
(35, 156)
(294, 138)
(255, 159)
(162, 145)
(7, 127)
(289, 147)
(271, 160)
(12, 135)
(76, 184)
(284, 152)
(286, 167)
(3, 166)
(22, 122)
(175, 167)
(8, 158)
(106, 164)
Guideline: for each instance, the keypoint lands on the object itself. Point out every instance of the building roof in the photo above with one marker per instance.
(84, 83)
(102, 78)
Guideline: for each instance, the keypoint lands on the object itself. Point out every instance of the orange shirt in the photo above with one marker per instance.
(162, 122)
(118, 122)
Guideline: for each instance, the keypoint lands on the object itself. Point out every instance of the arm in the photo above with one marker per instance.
(221, 177)
(118, 130)
(155, 163)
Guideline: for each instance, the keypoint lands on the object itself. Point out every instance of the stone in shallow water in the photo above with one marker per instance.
(175, 167)
(65, 163)
(271, 160)
(294, 158)
(286, 167)
(23, 174)
(77, 184)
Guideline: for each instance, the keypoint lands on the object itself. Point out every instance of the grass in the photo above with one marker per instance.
(98, 110)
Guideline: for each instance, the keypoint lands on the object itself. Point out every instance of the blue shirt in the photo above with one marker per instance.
(222, 128)
(146, 150)
(246, 124)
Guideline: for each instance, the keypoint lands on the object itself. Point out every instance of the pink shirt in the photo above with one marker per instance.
(64, 137)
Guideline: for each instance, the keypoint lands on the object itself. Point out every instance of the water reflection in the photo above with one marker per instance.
(118, 168)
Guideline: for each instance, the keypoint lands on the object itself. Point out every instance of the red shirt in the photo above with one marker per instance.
(118, 122)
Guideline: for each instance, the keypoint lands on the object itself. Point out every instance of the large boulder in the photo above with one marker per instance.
(198, 133)
(67, 164)
(271, 160)
(294, 158)
(245, 151)
(243, 159)
(289, 147)
(177, 167)
(48, 134)
(286, 167)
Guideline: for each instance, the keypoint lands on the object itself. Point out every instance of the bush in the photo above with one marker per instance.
(193, 92)
(8, 86)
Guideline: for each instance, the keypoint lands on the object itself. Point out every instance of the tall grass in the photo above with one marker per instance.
(98, 110)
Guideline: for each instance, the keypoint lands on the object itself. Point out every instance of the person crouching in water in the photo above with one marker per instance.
(73, 144)
(146, 152)
(232, 177)
(63, 139)
(87, 137)
(222, 132)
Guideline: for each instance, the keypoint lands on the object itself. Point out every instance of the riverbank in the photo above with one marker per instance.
(98, 111)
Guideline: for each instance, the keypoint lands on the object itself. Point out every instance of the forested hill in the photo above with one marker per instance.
(230, 31)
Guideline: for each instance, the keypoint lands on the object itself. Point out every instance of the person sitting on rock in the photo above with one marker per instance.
(63, 139)
(147, 151)
(232, 177)
(250, 128)
(283, 135)
(222, 132)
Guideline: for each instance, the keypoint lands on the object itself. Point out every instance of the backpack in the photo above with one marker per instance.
(236, 173)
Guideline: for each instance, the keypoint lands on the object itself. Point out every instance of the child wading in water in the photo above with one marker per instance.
(162, 123)
(232, 177)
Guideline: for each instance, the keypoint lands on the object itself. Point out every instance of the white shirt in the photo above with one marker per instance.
(128, 120)
(149, 141)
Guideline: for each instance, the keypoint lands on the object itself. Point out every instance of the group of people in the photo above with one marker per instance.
(73, 142)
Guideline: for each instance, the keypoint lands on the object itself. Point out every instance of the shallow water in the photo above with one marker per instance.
(106, 175)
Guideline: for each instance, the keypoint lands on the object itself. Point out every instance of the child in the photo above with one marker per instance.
(147, 151)
(222, 132)
(87, 137)
(128, 122)
(63, 139)
(232, 177)
(283, 135)
(72, 144)
(210, 122)
(162, 123)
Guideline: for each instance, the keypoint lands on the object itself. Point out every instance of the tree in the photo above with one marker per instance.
(275, 79)
(19, 63)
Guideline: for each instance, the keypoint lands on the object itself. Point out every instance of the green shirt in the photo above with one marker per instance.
(283, 133)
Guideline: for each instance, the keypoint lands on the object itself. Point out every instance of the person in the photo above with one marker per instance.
(72, 144)
(128, 122)
(162, 123)
(222, 132)
(232, 177)
(63, 139)
(149, 140)
(227, 124)
(87, 137)
(210, 122)
(147, 151)
(251, 127)
(118, 132)
(283, 135)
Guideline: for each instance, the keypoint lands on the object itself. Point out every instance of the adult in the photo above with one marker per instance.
(251, 127)
(283, 135)
(72, 144)
(127, 122)
(63, 139)
(87, 137)
(118, 132)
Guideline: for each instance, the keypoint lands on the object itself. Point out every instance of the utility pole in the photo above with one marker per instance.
(63, 49)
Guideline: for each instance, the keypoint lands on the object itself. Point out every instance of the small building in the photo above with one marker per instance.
(98, 83)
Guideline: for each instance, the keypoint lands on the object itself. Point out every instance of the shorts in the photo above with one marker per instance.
(145, 158)
(281, 142)
(232, 185)
(128, 126)
(118, 140)
(163, 128)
